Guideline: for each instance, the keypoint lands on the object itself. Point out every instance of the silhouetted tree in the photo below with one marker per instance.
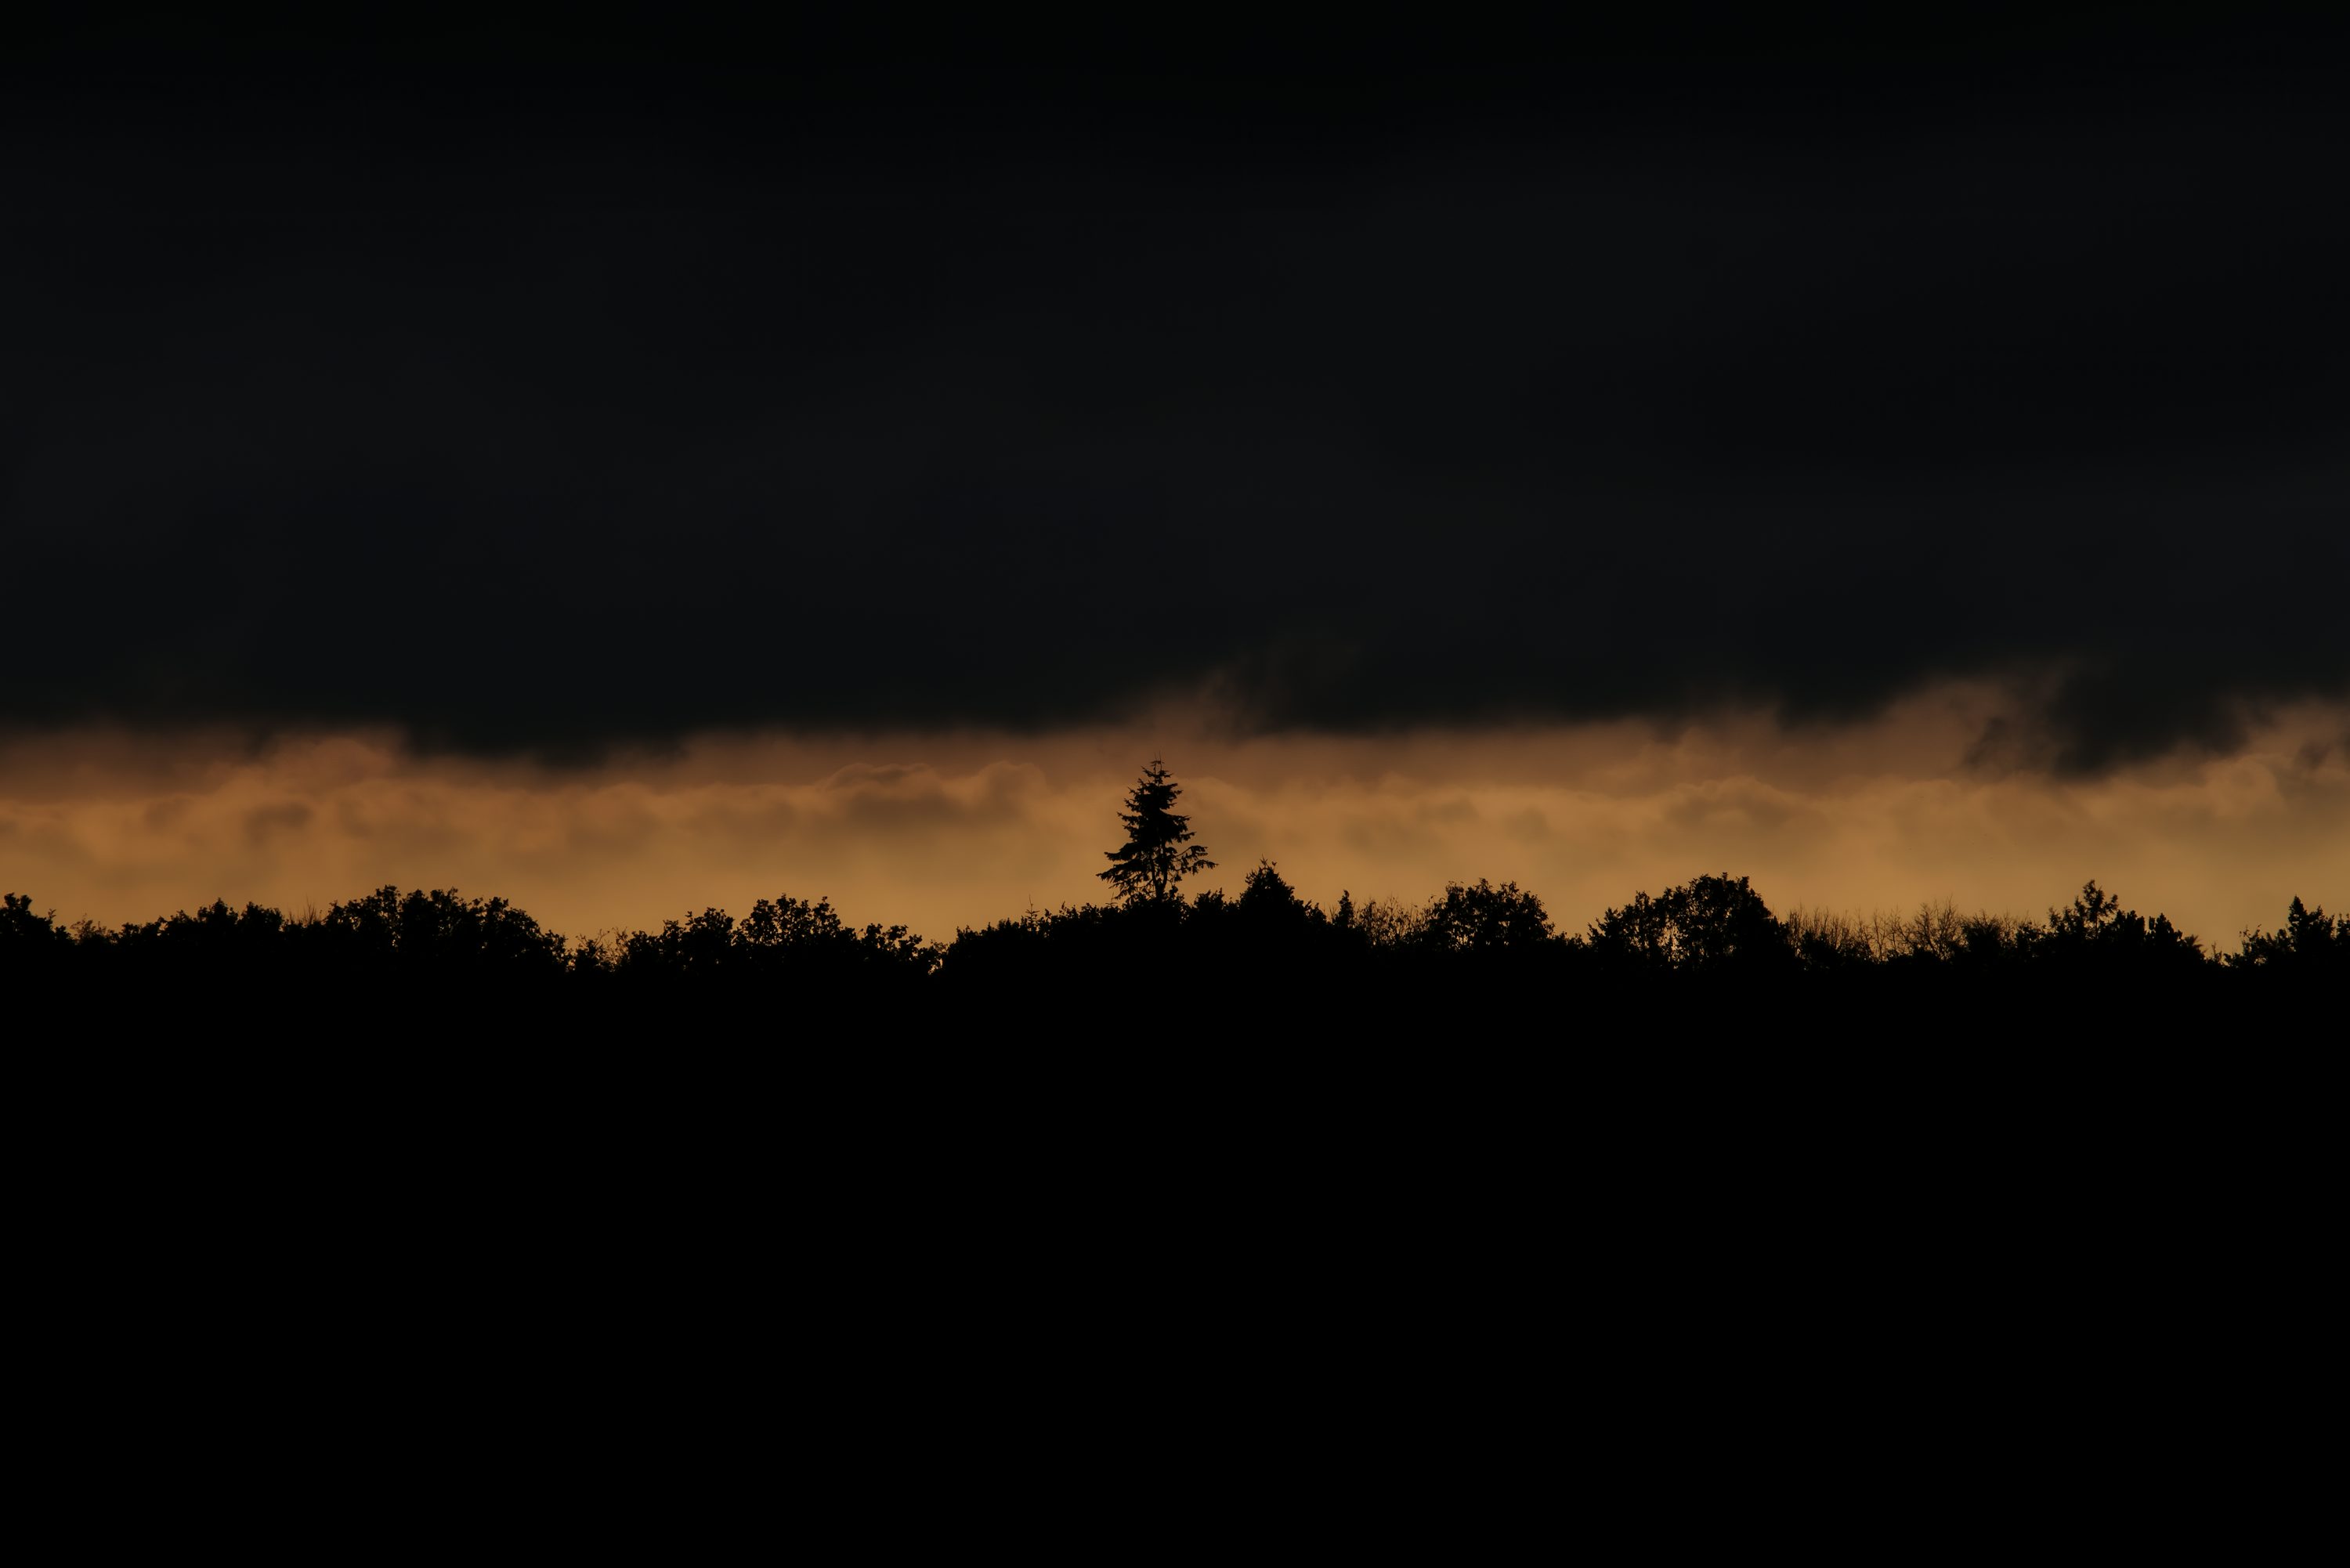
(1484, 918)
(2309, 943)
(1269, 904)
(798, 951)
(810, 940)
(438, 933)
(2096, 931)
(27, 939)
(1157, 853)
(1708, 925)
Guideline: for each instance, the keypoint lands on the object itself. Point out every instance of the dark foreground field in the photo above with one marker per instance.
(1194, 1210)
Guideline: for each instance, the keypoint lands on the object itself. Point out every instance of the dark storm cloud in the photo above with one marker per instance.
(568, 396)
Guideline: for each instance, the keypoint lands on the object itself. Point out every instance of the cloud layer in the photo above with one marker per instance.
(568, 407)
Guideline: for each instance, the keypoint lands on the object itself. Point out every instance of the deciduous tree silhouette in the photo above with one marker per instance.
(1484, 918)
(1157, 853)
(1707, 925)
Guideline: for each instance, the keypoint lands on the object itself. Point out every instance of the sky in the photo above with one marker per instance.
(632, 466)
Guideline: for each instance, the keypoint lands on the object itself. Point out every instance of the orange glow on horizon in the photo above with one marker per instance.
(951, 830)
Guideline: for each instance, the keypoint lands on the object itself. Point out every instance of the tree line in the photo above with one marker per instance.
(1712, 929)
(1157, 952)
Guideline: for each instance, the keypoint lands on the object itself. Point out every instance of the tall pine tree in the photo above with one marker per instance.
(1158, 854)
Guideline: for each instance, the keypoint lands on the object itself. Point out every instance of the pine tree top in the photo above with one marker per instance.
(1152, 861)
